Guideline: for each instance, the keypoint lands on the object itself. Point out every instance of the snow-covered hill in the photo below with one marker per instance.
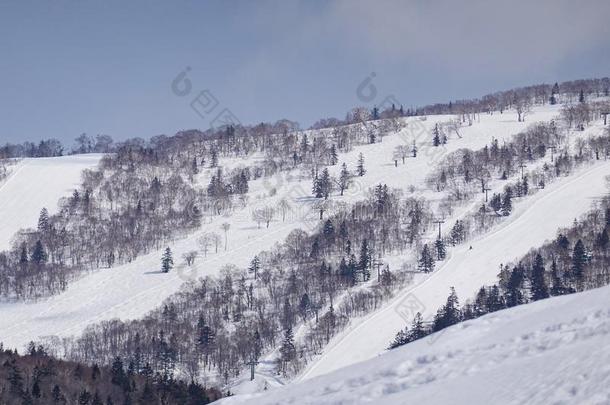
(553, 351)
(533, 221)
(34, 184)
(129, 291)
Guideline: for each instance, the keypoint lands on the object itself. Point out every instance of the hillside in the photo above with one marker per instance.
(550, 351)
(532, 223)
(131, 290)
(35, 183)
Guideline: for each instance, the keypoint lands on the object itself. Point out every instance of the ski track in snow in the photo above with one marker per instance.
(35, 183)
(467, 270)
(553, 351)
(130, 290)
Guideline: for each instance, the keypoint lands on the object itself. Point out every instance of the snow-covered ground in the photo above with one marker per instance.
(35, 183)
(131, 290)
(532, 222)
(553, 351)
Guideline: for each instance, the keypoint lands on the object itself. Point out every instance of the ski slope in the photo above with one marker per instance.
(553, 351)
(35, 183)
(129, 291)
(532, 223)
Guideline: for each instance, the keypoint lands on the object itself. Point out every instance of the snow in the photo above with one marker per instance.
(35, 183)
(532, 223)
(551, 351)
(129, 291)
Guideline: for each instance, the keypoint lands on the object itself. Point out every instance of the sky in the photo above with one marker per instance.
(144, 68)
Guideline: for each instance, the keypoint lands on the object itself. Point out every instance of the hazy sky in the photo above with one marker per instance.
(108, 66)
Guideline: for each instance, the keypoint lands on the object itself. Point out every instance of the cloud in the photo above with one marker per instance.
(504, 36)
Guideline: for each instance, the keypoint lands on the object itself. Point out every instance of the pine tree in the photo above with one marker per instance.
(329, 229)
(581, 97)
(441, 252)
(539, 287)
(365, 260)
(507, 205)
(579, 260)
(449, 314)
(360, 167)
(43, 221)
(288, 350)
(426, 261)
(457, 233)
(333, 155)
(117, 372)
(514, 294)
(39, 256)
(56, 394)
(205, 338)
(437, 136)
(167, 263)
(557, 285)
(36, 389)
(401, 338)
(325, 184)
(418, 330)
(255, 266)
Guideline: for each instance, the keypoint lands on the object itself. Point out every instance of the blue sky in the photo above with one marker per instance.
(107, 66)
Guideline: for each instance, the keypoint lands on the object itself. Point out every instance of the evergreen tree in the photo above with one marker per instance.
(539, 287)
(325, 184)
(507, 205)
(581, 97)
(449, 314)
(418, 330)
(329, 230)
(557, 285)
(167, 263)
(255, 266)
(514, 294)
(401, 338)
(360, 170)
(36, 389)
(365, 260)
(441, 252)
(333, 155)
(39, 256)
(288, 350)
(579, 260)
(117, 372)
(43, 221)
(457, 233)
(56, 394)
(437, 136)
(426, 261)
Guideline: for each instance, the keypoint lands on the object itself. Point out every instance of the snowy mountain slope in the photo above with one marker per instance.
(36, 183)
(131, 290)
(550, 351)
(532, 222)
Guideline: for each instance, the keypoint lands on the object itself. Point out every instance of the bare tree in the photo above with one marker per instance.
(225, 227)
